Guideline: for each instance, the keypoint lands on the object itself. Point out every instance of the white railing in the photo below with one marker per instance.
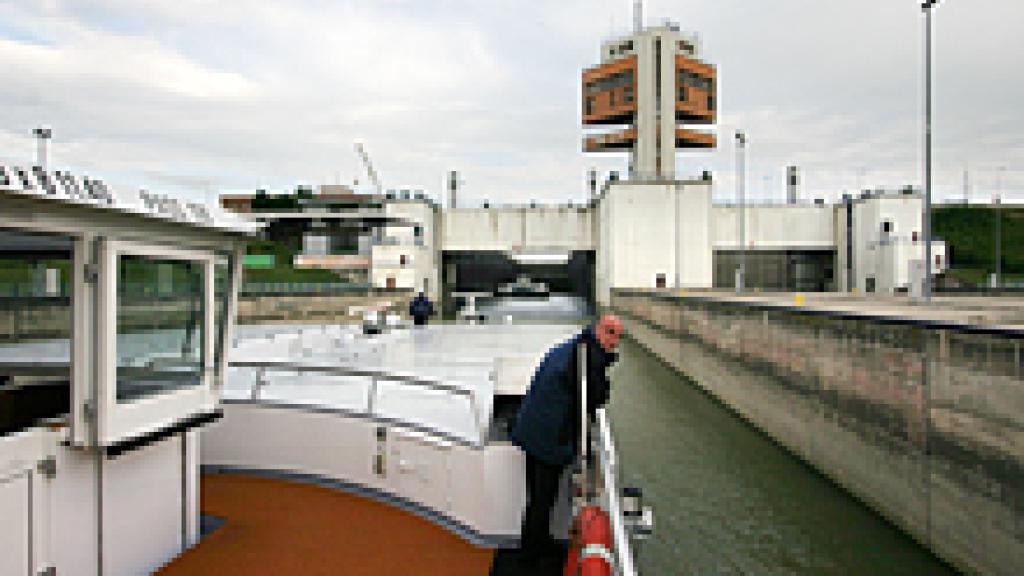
(607, 469)
(370, 409)
(599, 485)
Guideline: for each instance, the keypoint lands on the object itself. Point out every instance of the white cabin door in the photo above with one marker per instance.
(25, 487)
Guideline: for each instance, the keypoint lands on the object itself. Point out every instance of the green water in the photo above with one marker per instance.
(728, 500)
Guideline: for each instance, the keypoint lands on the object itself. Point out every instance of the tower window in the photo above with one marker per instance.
(628, 94)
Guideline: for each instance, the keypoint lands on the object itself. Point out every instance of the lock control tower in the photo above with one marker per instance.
(648, 89)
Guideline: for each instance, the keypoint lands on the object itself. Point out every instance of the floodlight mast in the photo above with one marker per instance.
(927, 6)
(741, 177)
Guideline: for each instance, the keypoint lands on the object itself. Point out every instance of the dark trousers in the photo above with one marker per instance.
(541, 490)
(420, 320)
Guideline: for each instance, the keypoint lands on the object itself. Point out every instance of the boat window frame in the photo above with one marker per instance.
(120, 421)
(77, 376)
(80, 367)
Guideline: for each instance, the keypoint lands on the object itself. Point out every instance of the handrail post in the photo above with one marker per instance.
(261, 381)
(372, 395)
(481, 426)
(620, 533)
(581, 358)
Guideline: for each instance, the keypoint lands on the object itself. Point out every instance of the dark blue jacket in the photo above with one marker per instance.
(420, 306)
(548, 424)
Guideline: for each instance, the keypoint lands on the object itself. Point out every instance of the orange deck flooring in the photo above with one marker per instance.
(280, 527)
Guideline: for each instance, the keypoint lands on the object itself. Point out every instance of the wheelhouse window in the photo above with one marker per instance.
(160, 337)
(35, 328)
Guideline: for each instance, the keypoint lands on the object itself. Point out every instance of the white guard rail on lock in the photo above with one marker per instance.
(609, 496)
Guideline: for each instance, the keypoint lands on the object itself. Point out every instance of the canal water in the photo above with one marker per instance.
(728, 500)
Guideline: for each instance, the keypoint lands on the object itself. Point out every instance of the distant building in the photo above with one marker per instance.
(384, 241)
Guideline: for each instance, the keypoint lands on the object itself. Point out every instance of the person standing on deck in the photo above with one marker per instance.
(421, 308)
(547, 426)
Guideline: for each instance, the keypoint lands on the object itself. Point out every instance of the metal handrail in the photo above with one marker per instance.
(600, 482)
(375, 375)
(608, 462)
(581, 359)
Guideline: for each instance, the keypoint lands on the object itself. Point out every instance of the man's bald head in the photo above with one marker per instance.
(608, 330)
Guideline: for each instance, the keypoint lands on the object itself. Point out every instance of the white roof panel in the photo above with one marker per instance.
(62, 187)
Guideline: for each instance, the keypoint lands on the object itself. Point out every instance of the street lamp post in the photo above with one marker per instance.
(741, 272)
(999, 248)
(927, 6)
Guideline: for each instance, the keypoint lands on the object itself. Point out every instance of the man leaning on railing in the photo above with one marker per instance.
(548, 427)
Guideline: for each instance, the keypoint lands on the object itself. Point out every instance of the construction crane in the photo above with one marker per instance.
(369, 167)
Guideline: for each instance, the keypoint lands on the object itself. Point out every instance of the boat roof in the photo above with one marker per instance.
(66, 189)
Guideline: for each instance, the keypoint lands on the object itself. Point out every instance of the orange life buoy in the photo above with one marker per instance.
(591, 551)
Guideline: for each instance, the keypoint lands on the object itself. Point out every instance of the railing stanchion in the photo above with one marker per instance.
(585, 489)
(257, 387)
(372, 396)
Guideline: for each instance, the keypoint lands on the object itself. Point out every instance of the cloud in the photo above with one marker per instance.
(74, 54)
(196, 94)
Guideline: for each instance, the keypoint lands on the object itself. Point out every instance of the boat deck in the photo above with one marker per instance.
(280, 527)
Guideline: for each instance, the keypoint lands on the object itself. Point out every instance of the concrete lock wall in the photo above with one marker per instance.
(326, 308)
(922, 422)
(774, 227)
(45, 319)
(519, 228)
(25, 318)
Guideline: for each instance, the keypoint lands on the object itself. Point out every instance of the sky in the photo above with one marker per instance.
(196, 97)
